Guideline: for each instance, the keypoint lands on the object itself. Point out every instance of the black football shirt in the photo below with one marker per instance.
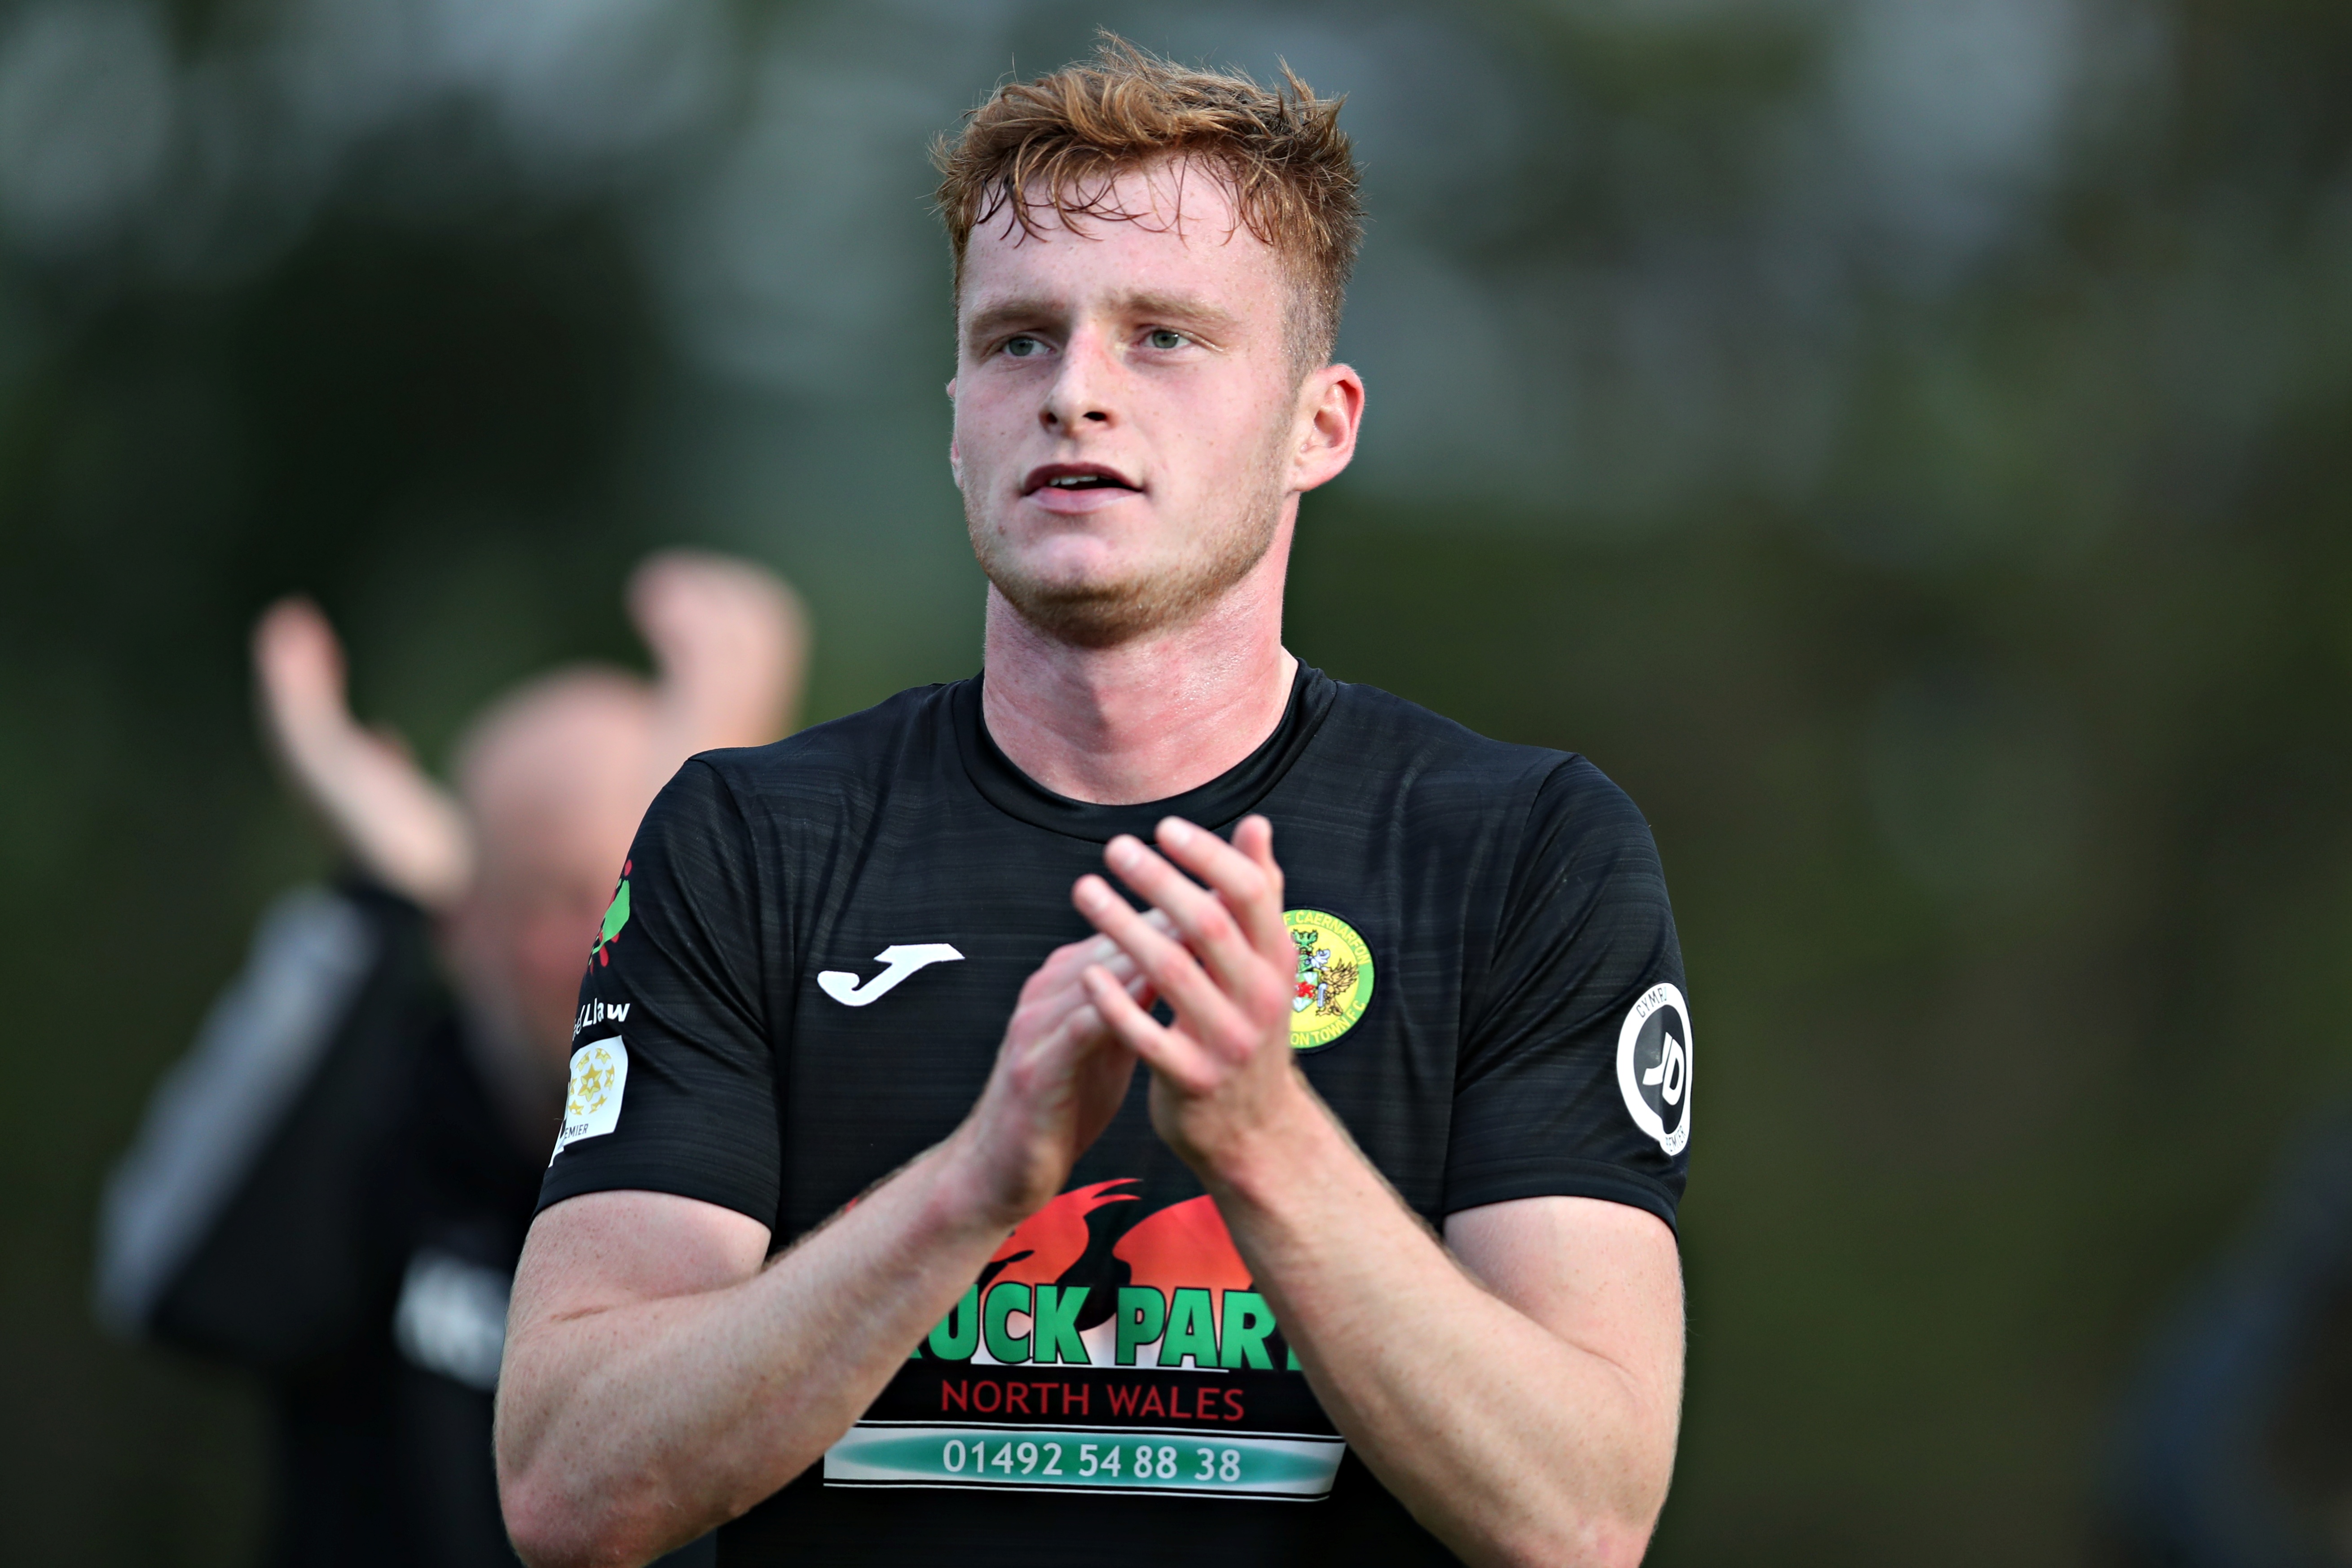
(803, 984)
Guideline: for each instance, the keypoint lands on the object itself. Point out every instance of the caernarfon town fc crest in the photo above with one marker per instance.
(1334, 984)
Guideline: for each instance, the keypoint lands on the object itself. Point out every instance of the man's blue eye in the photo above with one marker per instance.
(1164, 339)
(1024, 347)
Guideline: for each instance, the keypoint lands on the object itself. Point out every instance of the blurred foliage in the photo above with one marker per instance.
(1963, 596)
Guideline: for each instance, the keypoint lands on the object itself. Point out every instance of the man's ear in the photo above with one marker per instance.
(955, 453)
(1332, 409)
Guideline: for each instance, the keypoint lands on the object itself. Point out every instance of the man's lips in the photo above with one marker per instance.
(1073, 480)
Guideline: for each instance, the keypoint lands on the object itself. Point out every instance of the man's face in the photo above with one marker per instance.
(543, 891)
(1129, 420)
(554, 810)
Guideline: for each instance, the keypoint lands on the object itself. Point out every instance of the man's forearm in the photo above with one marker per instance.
(1508, 1440)
(626, 1429)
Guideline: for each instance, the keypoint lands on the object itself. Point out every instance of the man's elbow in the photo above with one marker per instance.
(1591, 1542)
(550, 1525)
(556, 1520)
(545, 1529)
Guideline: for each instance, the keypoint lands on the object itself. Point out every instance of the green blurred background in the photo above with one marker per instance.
(1905, 442)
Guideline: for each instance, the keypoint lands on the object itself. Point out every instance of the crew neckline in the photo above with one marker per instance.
(1216, 805)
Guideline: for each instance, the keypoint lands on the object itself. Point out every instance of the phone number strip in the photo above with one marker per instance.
(1064, 1460)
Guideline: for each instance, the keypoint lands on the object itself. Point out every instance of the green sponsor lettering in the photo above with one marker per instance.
(1142, 1313)
(1192, 1330)
(1290, 1360)
(1248, 1320)
(1054, 1329)
(1002, 1299)
(958, 1334)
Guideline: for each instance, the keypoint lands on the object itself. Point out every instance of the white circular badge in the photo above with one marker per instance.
(1654, 1065)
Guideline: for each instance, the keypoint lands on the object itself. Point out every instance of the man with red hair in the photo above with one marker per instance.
(865, 1233)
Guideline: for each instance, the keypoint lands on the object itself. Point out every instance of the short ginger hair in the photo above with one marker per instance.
(1057, 144)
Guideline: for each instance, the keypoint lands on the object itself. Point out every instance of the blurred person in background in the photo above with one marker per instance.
(332, 1189)
(2235, 1449)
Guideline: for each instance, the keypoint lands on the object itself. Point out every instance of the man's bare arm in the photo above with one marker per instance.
(659, 1380)
(1526, 1415)
(1531, 1419)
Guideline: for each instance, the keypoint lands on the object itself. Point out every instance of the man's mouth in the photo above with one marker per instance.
(1077, 476)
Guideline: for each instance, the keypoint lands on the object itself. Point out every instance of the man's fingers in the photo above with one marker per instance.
(1250, 885)
(1170, 967)
(1055, 982)
(1162, 1050)
(1072, 957)
(299, 666)
(1209, 925)
(1254, 836)
(1044, 1013)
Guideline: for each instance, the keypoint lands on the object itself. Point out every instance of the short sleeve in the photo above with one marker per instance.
(672, 1086)
(1574, 1077)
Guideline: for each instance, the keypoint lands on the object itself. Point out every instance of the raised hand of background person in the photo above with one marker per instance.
(401, 827)
(730, 642)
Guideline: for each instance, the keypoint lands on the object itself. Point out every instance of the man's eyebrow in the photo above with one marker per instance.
(1179, 308)
(1032, 310)
(997, 315)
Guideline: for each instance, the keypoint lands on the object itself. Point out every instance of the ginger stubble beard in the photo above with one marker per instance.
(1159, 596)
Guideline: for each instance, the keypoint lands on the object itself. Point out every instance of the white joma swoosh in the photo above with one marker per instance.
(843, 986)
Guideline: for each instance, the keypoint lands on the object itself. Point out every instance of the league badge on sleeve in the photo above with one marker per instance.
(1654, 1065)
(1334, 983)
(592, 1101)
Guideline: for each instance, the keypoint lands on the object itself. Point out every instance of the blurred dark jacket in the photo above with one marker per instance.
(327, 1194)
(2235, 1451)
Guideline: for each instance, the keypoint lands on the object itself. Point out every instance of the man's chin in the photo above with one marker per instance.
(1092, 602)
(1092, 614)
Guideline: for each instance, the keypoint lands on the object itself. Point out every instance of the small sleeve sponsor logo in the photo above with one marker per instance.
(600, 1012)
(617, 917)
(1654, 1065)
(591, 1102)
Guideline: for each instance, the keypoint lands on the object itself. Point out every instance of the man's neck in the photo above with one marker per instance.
(1155, 716)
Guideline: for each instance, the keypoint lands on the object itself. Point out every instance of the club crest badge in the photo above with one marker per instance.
(1334, 983)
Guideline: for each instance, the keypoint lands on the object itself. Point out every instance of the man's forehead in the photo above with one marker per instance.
(1169, 228)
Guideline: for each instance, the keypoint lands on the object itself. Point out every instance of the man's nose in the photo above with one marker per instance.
(1085, 393)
